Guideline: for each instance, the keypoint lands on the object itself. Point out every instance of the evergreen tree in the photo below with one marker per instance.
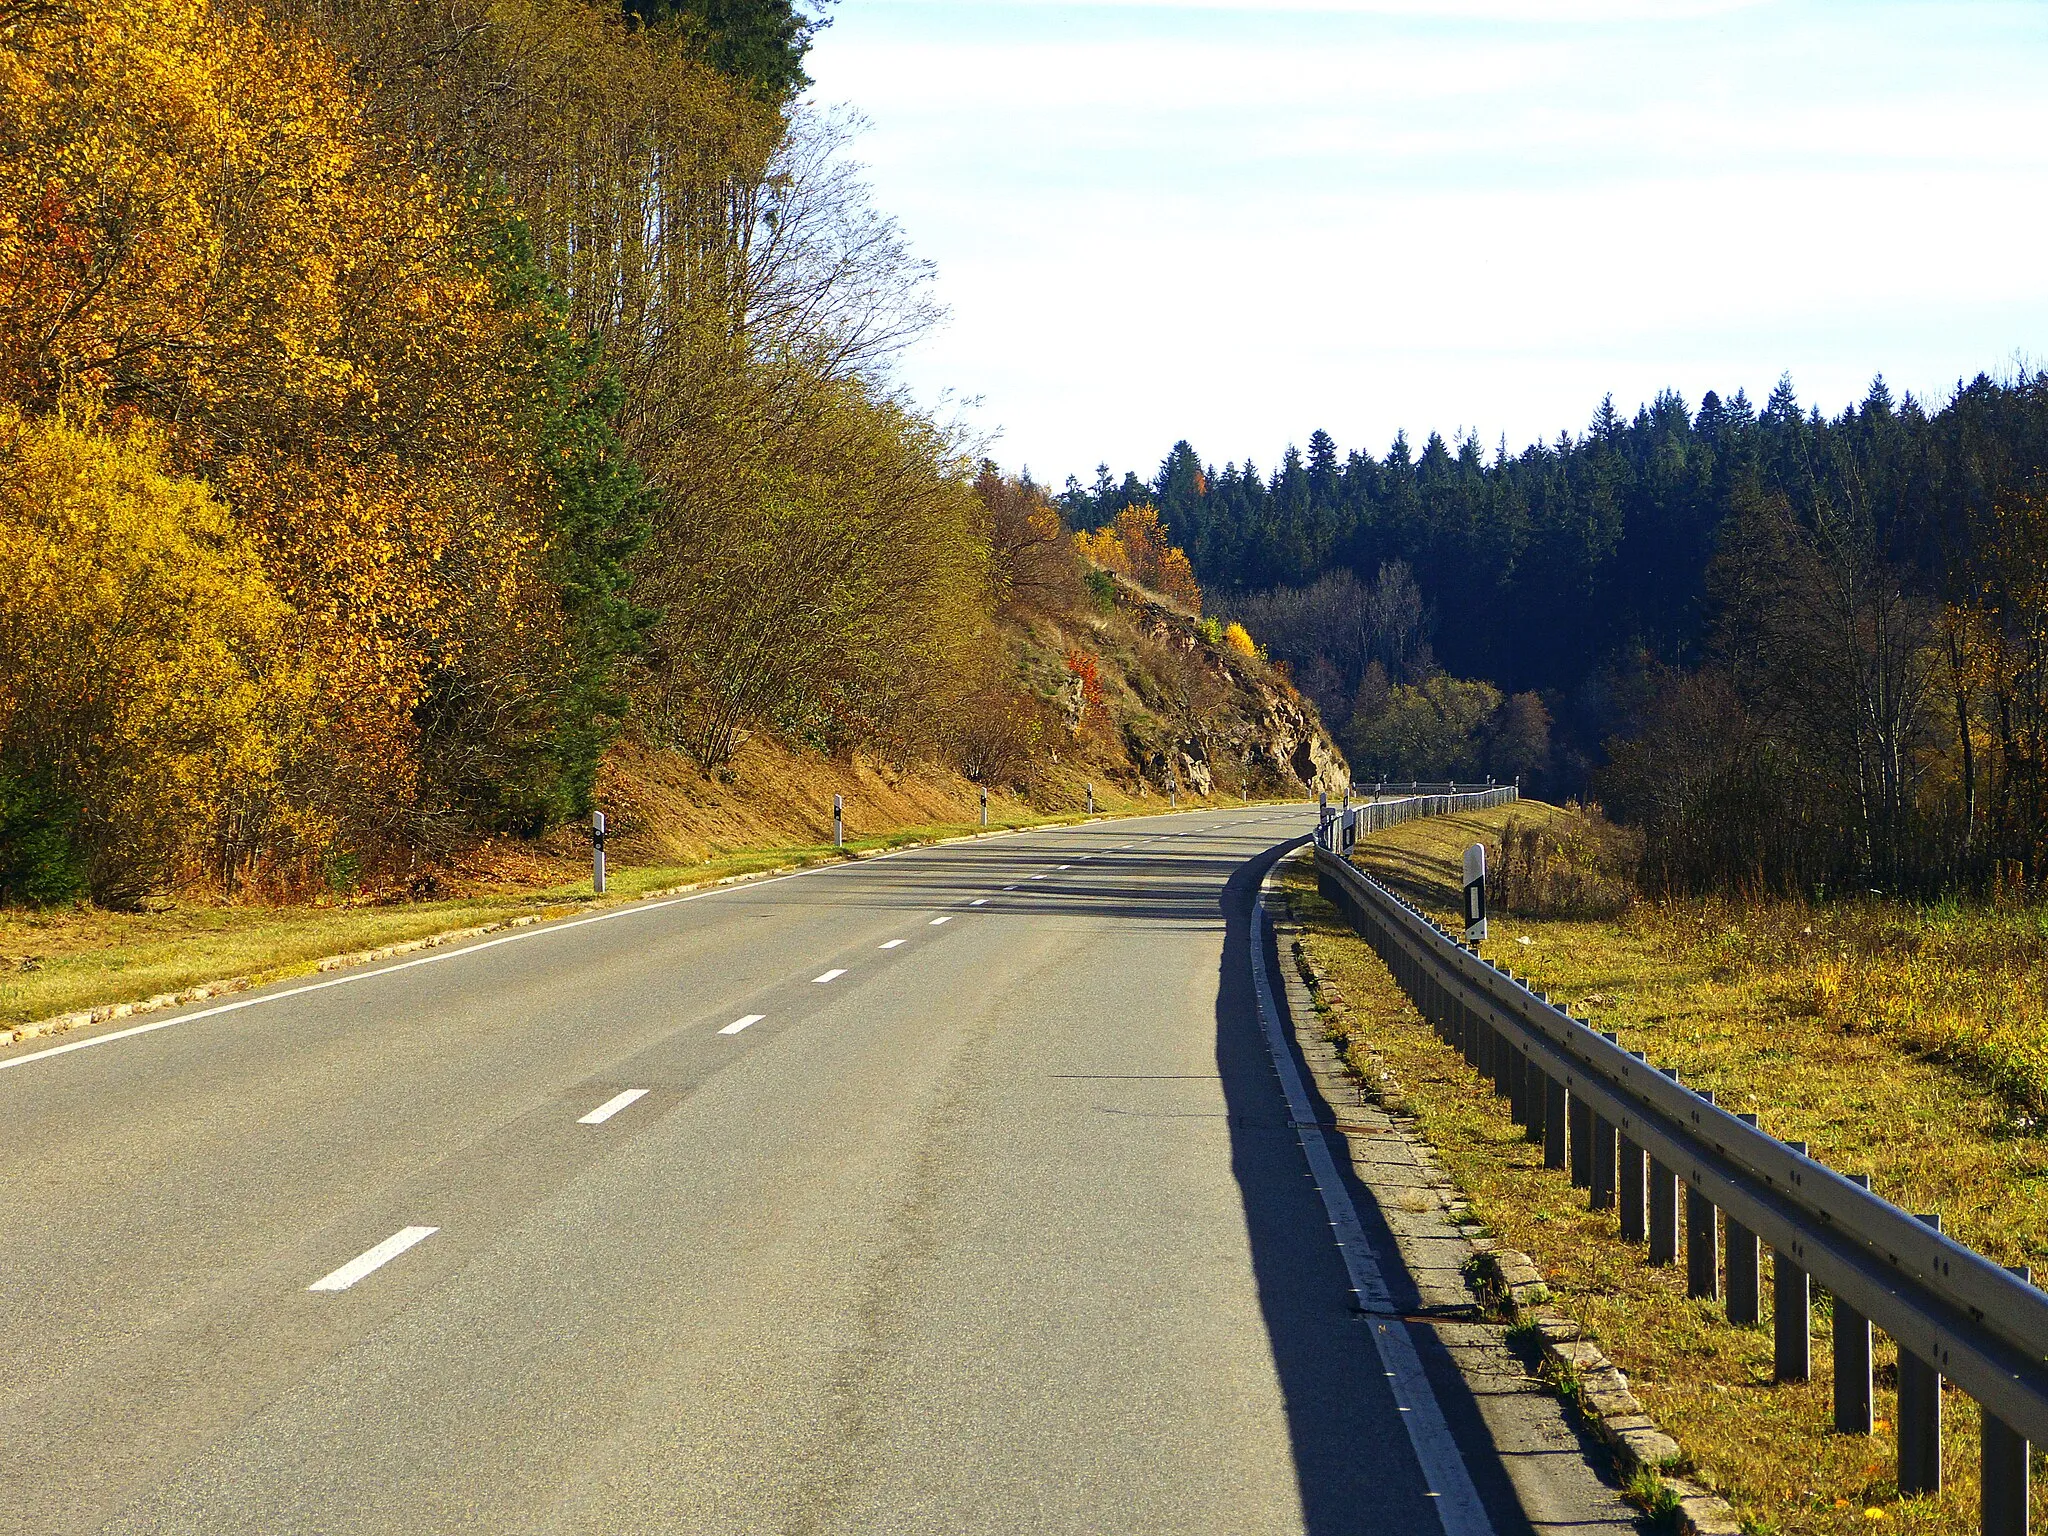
(762, 42)
(600, 519)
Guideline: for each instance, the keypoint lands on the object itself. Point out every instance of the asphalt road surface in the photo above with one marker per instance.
(947, 1192)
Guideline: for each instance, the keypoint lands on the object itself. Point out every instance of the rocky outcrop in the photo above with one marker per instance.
(1256, 726)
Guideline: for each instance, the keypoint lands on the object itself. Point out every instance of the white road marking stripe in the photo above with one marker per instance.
(830, 976)
(1038, 877)
(979, 901)
(612, 1106)
(1009, 887)
(1063, 866)
(894, 943)
(744, 1021)
(938, 920)
(1443, 1465)
(375, 1259)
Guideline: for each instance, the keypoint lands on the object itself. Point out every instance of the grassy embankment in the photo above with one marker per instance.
(774, 811)
(1900, 1042)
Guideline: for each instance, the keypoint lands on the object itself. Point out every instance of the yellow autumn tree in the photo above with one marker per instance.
(1137, 545)
(198, 223)
(147, 696)
(1237, 638)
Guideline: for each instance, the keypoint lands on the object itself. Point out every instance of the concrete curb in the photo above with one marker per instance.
(1597, 1390)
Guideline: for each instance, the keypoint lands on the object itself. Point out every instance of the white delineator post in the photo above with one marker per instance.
(984, 807)
(838, 821)
(597, 852)
(1475, 894)
(1091, 799)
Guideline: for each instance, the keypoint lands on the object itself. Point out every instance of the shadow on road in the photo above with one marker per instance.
(1356, 1469)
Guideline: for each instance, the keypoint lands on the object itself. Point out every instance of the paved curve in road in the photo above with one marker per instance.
(952, 1191)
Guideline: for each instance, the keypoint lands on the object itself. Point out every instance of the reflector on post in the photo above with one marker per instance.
(1475, 894)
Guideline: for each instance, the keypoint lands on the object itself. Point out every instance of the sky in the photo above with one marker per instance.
(1236, 223)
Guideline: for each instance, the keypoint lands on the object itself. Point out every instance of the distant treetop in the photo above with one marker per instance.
(762, 42)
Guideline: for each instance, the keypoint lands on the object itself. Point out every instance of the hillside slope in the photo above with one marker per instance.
(1166, 712)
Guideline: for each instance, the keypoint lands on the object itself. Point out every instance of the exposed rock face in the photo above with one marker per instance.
(1260, 727)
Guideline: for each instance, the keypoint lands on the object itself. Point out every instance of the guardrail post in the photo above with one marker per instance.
(1853, 1386)
(1702, 1247)
(1663, 1214)
(1919, 1418)
(2004, 1501)
(1555, 1106)
(1702, 1242)
(1602, 1198)
(1664, 1206)
(1791, 1313)
(1631, 1191)
(1580, 1118)
(1744, 1259)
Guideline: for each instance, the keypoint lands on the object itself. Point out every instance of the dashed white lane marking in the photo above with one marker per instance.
(744, 1021)
(1038, 877)
(938, 920)
(612, 1106)
(830, 976)
(373, 1260)
(979, 901)
(1063, 866)
(1009, 887)
(442, 957)
(895, 943)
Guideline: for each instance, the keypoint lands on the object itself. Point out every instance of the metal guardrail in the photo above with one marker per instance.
(1632, 1134)
(1340, 827)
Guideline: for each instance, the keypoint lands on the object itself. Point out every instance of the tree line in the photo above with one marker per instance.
(397, 402)
(1800, 651)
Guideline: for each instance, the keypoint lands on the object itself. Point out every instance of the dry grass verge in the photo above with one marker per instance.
(673, 832)
(1697, 987)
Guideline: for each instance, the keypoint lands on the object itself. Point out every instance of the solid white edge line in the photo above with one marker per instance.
(832, 975)
(744, 1021)
(375, 1259)
(457, 952)
(612, 1106)
(1436, 1450)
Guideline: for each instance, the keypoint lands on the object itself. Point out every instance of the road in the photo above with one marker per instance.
(952, 1191)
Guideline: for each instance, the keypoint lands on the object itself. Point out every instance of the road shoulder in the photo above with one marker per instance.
(1534, 1470)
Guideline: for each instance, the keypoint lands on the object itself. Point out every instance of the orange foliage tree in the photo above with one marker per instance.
(1137, 545)
(198, 225)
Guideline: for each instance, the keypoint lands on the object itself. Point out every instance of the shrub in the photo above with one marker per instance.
(1572, 866)
(144, 685)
